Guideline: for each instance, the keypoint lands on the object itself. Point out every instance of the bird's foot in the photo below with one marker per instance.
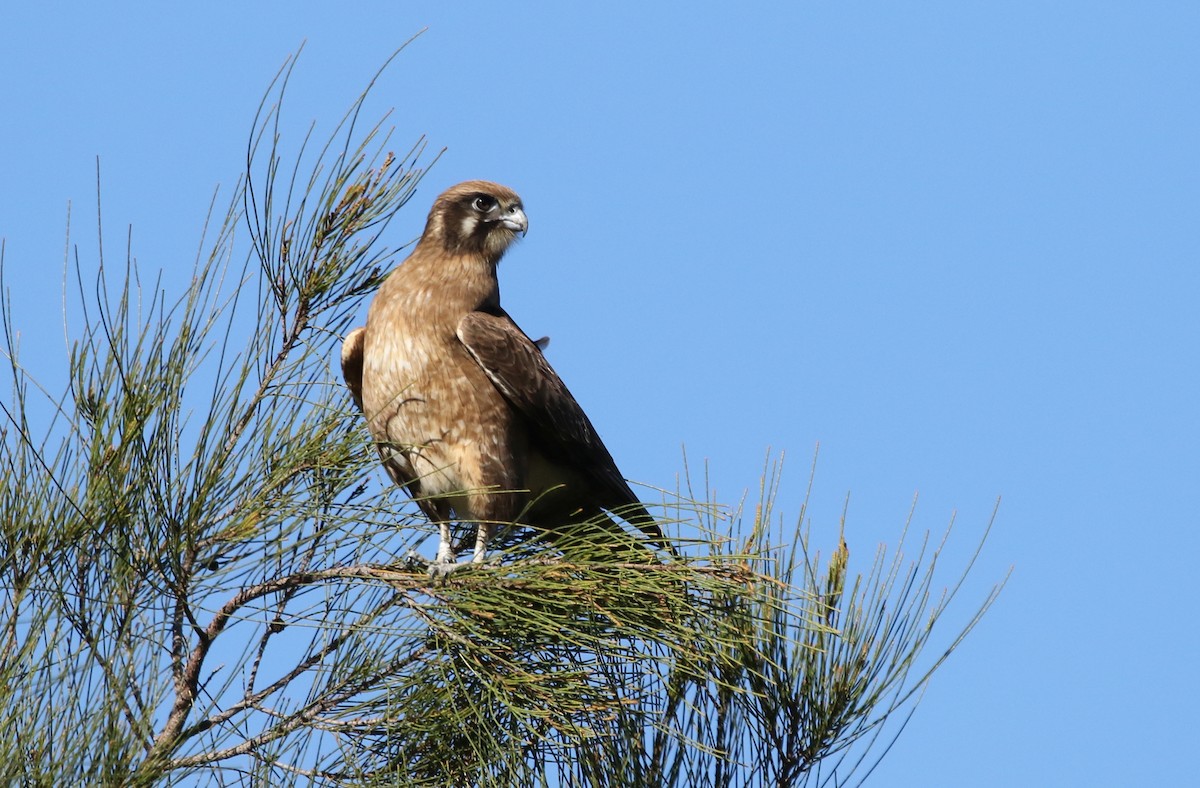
(414, 561)
(440, 570)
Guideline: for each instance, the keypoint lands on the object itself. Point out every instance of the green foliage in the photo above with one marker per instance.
(203, 581)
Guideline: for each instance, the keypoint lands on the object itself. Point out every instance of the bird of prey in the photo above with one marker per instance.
(466, 412)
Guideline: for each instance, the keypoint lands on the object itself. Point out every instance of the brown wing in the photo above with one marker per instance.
(559, 428)
(352, 363)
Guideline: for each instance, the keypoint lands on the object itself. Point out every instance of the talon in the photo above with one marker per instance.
(413, 561)
(440, 570)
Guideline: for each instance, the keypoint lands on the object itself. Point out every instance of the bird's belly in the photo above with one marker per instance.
(452, 431)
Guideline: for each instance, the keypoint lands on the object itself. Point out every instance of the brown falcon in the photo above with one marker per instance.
(465, 409)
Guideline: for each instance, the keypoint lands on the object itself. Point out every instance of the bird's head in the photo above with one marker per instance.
(476, 217)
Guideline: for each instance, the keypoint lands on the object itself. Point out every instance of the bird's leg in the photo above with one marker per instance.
(482, 535)
(445, 564)
(445, 552)
(441, 567)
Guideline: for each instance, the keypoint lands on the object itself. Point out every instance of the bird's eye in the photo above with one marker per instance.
(484, 203)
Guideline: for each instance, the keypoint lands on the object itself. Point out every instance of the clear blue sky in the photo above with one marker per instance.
(956, 243)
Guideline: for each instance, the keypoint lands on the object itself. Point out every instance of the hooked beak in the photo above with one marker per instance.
(514, 219)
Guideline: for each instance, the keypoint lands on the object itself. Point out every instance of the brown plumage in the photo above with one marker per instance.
(467, 412)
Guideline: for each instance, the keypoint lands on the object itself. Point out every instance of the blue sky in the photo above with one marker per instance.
(955, 243)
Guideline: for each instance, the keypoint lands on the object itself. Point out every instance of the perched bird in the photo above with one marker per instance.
(466, 411)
